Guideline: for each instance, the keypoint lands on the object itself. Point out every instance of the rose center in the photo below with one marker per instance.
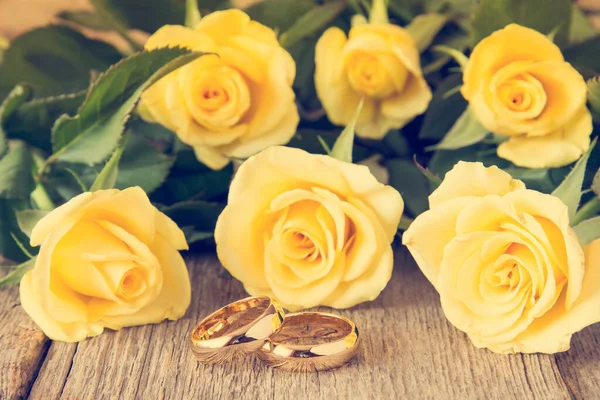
(218, 98)
(508, 276)
(522, 96)
(132, 284)
(367, 75)
(214, 97)
(299, 246)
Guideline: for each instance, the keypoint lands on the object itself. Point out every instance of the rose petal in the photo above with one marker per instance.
(311, 294)
(169, 231)
(211, 157)
(498, 50)
(174, 298)
(412, 101)
(552, 332)
(223, 25)
(286, 168)
(473, 179)
(70, 211)
(429, 234)
(553, 150)
(374, 279)
(32, 303)
(551, 208)
(383, 200)
(128, 209)
(564, 90)
(247, 146)
(339, 100)
(176, 35)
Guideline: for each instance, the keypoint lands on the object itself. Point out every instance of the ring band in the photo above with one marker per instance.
(307, 342)
(235, 330)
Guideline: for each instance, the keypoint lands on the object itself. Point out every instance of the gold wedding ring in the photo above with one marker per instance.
(311, 341)
(235, 330)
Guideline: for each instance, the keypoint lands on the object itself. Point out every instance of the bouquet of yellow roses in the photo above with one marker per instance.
(304, 137)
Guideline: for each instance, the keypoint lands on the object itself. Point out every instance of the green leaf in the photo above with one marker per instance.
(147, 15)
(303, 54)
(143, 165)
(425, 27)
(23, 246)
(192, 14)
(467, 130)
(312, 140)
(378, 14)
(434, 180)
(91, 135)
(342, 148)
(593, 87)
(279, 14)
(155, 133)
(395, 145)
(541, 15)
(15, 276)
(200, 215)
(540, 179)
(16, 180)
(569, 191)
(584, 56)
(308, 140)
(190, 179)
(8, 226)
(32, 122)
(193, 236)
(54, 60)
(311, 22)
(443, 111)
(411, 183)
(457, 55)
(19, 95)
(596, 184)
(404, 9)
(107, 177)
(444, 160)
(581, 26)
(588, 230)
(324, 144)
(27, 219)
(451, 37)
(88, 19)
(82, 185)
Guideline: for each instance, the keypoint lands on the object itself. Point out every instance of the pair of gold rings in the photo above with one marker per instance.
(302, 342)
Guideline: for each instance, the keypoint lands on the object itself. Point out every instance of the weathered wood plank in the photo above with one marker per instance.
(408, 351)
(22, 346)
(55, 369)
(580, 366)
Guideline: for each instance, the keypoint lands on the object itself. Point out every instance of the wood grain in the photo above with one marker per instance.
(580, 366)
(22, 346)
(409, 350)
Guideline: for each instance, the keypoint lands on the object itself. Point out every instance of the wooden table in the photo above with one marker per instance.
(409, 350)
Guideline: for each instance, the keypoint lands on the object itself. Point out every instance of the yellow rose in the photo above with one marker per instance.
(230, 106)
(308, 229)
(509, 269)
(377, 62)
(519, 85)
(107, 259)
